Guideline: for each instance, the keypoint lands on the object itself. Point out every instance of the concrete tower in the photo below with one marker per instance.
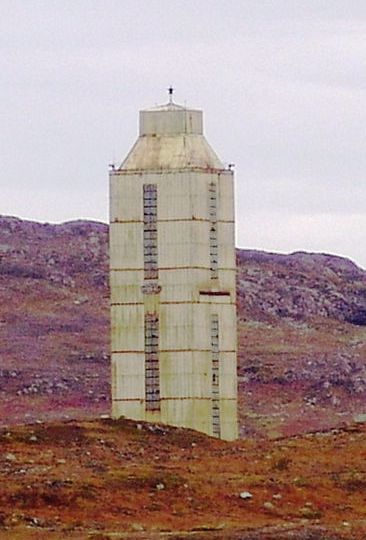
(172, 276)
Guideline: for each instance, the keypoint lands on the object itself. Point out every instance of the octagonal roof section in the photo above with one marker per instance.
(170, 119)
(171, 137)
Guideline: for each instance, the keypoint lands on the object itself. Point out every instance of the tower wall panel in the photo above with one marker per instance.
(225, 210)
(125, 201)
(134, 409)
(126, 246)
(194, 413)
(129, 376)
(127, 328)
(126, 286)
(228, 387)
(185, 374)
(183, 244)
(176, 284)
(225, 240)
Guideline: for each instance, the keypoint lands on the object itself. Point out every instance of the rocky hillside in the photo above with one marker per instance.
(64, 255)
(301, 287)
(301, 317)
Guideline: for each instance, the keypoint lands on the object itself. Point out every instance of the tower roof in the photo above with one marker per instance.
(170, 119)
(170, 106)
(171, 137)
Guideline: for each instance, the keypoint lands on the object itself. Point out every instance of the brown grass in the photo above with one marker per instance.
(103, 477)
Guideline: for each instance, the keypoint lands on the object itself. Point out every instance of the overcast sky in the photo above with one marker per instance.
(282, 84)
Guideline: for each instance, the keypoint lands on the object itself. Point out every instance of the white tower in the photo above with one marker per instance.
(172, 276)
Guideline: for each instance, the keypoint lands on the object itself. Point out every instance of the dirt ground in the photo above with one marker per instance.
(121, 479)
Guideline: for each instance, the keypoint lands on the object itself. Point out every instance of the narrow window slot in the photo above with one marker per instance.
(152, 374)
(213, 244)
(215, 386)
(150, 236)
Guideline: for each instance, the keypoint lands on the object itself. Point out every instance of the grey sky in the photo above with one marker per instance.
(282, 84)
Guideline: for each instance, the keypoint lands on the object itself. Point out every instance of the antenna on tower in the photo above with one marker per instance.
(170, 93)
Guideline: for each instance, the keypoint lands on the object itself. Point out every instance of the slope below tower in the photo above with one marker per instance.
(172, 277)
